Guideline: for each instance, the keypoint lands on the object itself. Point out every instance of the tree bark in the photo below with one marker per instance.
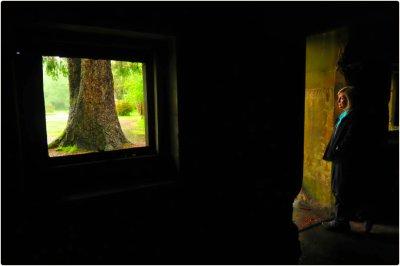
(93, 122)
(74, 78)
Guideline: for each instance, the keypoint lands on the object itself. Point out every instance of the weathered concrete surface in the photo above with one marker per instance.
(322, 83)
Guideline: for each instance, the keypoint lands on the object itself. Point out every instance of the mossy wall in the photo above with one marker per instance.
(322, 83)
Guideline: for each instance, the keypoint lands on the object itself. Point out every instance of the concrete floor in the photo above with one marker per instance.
(306, 216)
(320, 246)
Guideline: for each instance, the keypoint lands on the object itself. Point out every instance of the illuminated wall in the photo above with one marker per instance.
(322, 83)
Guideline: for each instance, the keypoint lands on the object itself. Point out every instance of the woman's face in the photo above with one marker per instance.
(342, 101)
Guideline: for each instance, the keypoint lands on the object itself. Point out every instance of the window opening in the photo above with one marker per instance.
(94, 105)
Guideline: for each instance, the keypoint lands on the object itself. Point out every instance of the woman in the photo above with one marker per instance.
(345, 150)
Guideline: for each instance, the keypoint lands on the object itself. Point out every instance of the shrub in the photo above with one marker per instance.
(50, 108)
(59, 104)
(124, 107)
(135, 93)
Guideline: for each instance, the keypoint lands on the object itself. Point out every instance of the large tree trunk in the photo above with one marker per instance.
(74, 79)
(93, 122)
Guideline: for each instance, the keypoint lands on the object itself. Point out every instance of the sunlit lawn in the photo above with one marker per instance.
(133, 126)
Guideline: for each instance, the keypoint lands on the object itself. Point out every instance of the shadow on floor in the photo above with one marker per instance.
(320, 246)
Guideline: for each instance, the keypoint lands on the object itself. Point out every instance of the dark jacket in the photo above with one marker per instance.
(344, 151)
(343, 141)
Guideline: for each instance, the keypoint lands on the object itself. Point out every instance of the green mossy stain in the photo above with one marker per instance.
(68, 149)
(322, 80)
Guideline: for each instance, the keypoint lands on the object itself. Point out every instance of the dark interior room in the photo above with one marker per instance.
(226, 120)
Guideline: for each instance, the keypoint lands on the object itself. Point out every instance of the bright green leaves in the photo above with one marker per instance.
(128, 83)
(124, 69)
(55, 66)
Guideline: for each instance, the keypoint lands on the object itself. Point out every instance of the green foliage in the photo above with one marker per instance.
(124, 69)
(55, 66)
(124, 107)
(135, 94)
(128, 82)
(56, 92)
(68, 149)
(49, 108)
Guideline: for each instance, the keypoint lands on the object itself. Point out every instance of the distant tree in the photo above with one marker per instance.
(129, 83)
(55, 66)
(93, 122)
(56, 82)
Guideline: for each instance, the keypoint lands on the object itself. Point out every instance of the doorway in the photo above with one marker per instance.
(315, 202)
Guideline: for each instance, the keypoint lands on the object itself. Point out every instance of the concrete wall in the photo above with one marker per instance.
(322, 83)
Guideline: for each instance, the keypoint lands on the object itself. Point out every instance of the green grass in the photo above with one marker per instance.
(68, 149)
(57, 121)
(55, 124)
(133, 133)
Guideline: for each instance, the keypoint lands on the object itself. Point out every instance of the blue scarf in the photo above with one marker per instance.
(341, 116)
